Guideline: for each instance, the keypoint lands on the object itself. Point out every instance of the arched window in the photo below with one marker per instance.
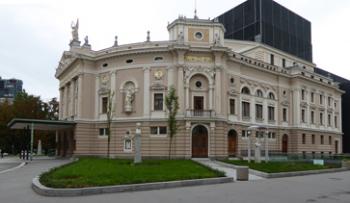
(245, 90)
(271, 96)
(259, 93)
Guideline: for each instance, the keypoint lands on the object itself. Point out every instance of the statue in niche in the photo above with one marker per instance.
(75, 29)
(217, 40)
(129, 98)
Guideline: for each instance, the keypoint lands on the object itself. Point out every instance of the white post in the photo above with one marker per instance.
(138, 158)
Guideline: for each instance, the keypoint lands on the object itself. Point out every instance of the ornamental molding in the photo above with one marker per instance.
(190, 69)
(285, 103)
(254, 84)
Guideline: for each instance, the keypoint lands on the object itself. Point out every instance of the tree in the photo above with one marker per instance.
(109, 119)
(172, 105)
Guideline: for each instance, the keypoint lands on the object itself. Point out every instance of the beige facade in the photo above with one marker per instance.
(224, 86)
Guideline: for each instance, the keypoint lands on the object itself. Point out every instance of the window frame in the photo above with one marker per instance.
(156, 103)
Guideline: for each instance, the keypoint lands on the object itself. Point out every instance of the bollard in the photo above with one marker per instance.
(242, 173)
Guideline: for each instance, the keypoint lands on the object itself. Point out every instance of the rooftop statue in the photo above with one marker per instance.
(75, 30)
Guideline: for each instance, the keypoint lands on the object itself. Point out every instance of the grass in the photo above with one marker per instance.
(90, 172)
(276, 167)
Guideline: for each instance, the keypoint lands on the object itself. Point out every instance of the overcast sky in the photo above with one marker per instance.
(34, 33)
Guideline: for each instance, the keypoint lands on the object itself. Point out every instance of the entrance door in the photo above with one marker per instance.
(232, 143)
(198, 103)
(199, 142)
(285, 143)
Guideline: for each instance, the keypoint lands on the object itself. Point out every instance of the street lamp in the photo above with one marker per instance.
(137, 138)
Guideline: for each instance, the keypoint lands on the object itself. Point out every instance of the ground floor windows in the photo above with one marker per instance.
(158, 130)
(103, 132)
(304, 139)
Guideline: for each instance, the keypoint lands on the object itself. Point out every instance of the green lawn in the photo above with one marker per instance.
(89, 172)
(276, 167)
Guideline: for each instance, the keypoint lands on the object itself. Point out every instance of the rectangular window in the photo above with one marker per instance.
(158, 101)
(271, 113)
(272, 59)
(313, 139)
(283, 63)
(335, 122)
(284, 114)
(104, 104)
(321, 118)
(329, 101)
(232, 107)
(244, 133)
(330, 140)
(259, 111)
(312, 117)
(322, 141)
(302, 94)
(304, 138)
(329, 119)
(158, 130)
(312, 97)
(245, 109)
(103, 131)
(321, 99)
(303, 115)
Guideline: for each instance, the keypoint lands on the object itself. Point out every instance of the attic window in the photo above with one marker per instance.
(105, 65)
(129, 61)
(158, 58)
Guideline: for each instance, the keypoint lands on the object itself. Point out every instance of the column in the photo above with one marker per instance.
(170, 76)
(180, 85)
(218, 91)
(296, 107)
(113, 89)
(71, 95)
(80, 95)
(60, 115)
(187, 89)
(211, 97)
(97, 97)
(146, 91)
(66, 101)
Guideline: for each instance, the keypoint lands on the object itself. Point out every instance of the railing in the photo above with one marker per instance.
(200, 113)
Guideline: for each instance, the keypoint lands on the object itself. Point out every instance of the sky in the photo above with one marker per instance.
(34, 33)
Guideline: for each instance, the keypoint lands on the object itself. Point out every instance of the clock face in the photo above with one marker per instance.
(158, 75)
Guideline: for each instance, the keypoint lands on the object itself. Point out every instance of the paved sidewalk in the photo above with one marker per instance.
(230, 172)
(7, 163)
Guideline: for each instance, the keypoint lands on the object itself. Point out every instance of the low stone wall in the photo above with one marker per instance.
(46, 191)
(285, 174)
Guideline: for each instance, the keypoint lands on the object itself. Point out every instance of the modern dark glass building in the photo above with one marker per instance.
(270, 23)
(9, 88)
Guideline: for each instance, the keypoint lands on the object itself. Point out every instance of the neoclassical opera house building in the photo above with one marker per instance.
(223, 86)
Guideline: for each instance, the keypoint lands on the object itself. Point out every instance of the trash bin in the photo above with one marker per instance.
(242, 173)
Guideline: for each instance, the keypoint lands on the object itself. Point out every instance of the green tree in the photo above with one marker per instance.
(109, 119)
(172, 105)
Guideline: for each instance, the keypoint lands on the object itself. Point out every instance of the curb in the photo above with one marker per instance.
(53, 192)
(285, 174)
(14, 168)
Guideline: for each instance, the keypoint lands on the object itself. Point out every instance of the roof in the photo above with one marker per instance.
(20, 123)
